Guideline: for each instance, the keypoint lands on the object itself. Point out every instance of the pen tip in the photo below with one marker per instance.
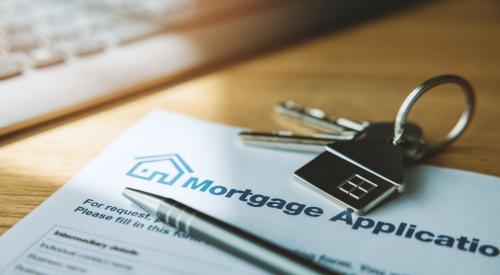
(145, 200)
(130, 189)
(130, 193)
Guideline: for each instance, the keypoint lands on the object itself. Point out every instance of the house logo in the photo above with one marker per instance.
(165, 169)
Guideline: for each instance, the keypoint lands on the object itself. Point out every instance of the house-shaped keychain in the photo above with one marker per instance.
(355, 174)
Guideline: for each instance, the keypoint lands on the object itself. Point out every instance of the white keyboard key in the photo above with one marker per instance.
(44, 57)
(9, 68)
(87, 47)
(22, 42)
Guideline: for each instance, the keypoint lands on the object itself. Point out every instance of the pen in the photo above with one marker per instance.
(247, 246)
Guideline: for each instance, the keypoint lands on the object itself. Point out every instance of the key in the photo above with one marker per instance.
(312, 117)
(44, 57)
(318, 119)
(85, 47)
(285, 140)
(22, 42)
(356, 174)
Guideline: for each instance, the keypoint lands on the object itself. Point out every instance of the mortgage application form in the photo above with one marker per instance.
(445, 223)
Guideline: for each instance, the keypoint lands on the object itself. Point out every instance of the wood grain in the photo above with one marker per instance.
(362, 72)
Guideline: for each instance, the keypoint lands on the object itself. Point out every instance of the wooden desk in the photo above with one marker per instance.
(361, 72)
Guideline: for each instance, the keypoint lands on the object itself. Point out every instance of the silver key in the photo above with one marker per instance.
(285, 140)
(318, 119)
(312, 117)
(345, 129)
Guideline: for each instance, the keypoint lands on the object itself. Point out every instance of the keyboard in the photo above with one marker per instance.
(60, 56)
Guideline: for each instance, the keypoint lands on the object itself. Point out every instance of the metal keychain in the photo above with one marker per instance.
(360, 173)
(456, 131)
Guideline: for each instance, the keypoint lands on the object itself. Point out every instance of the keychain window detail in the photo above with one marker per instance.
(357, 186)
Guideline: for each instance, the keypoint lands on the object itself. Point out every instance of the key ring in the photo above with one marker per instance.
(457, 130)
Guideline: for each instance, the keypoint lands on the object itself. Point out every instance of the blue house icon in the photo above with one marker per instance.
(165, 169)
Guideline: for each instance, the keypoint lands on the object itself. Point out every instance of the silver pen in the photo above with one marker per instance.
(233, 240)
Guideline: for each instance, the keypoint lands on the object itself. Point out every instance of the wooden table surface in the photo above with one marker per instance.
(362, 72)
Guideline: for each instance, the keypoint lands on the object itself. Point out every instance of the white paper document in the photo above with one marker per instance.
(447, 221)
